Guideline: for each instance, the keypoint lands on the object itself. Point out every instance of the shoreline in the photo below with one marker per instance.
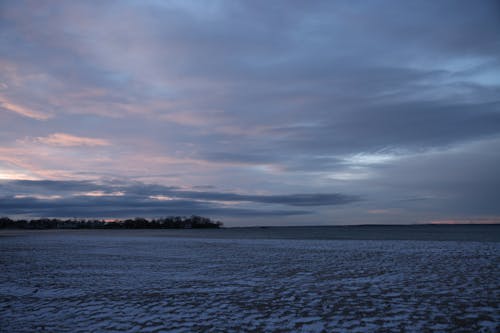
(460, 233)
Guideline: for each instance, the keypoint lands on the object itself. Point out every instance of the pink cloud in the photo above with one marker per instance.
(22, 110)
(68, 140)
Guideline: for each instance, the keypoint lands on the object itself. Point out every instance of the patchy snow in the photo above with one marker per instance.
(57, 282)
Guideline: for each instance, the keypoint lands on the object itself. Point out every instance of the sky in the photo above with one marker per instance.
(251, 112)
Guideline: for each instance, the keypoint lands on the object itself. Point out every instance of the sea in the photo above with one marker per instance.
(418, 278)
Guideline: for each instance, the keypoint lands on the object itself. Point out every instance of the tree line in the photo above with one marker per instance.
(173, 222)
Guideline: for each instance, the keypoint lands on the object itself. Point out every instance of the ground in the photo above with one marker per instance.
(89, 282)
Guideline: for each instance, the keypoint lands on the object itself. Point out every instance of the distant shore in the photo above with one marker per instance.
(175, 222)
(424, 232)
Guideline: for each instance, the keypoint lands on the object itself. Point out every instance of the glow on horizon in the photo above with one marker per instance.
(491, 220)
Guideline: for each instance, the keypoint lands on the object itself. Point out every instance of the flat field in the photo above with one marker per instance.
(129, 281)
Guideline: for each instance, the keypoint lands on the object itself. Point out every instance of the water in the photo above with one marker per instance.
(251, 280)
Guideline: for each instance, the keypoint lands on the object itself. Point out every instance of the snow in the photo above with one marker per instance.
(59, 282)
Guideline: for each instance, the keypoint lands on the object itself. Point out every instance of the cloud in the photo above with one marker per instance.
(301, 200)
(141, 190)
(23, 111)
(123, 206)
(128, 199)
(318, 100)
(68, 140)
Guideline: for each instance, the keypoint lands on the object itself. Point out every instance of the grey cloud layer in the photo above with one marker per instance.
(255, 95)
(127, 207)
(38, 197)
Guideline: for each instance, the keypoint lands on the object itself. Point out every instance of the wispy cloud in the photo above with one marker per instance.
(68, 140)
(22, 110)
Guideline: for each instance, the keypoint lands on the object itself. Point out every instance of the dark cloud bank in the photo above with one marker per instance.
(119, 199)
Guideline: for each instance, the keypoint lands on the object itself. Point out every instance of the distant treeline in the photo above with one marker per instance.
(175, 222)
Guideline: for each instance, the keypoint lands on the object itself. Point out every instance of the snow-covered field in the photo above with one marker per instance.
(95, 281)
